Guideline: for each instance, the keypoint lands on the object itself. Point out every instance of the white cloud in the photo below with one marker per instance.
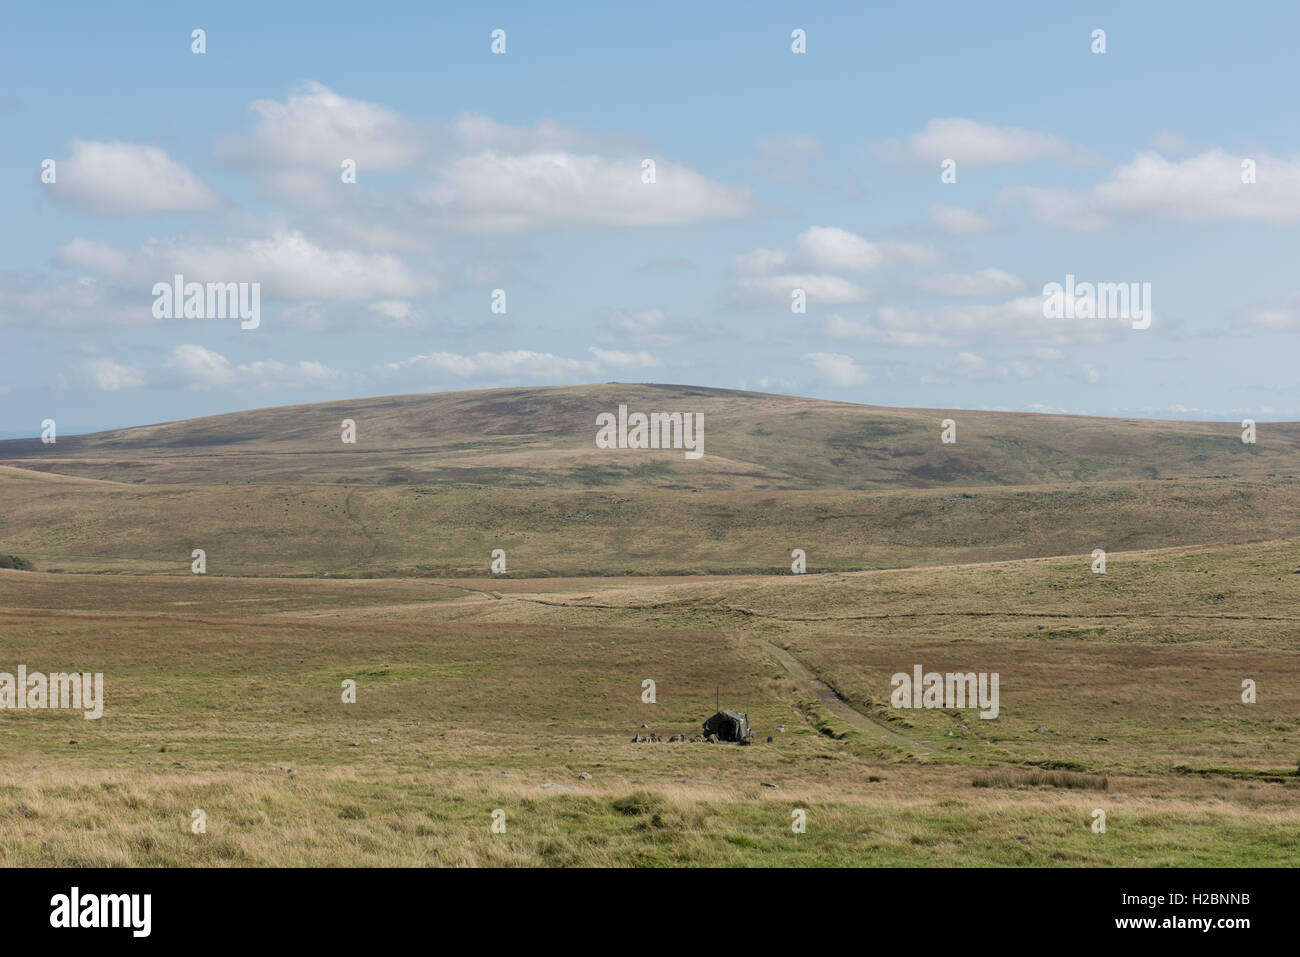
(892, 327)
(496, 192)
(474, 133)
(1059, 207)
(517, 365)
(287, 264)
(837, 369)
(838, 250)
(115, 178)
(42, 300)
(760, 262)
(396, 314)
(1170, 143)
(1020, 319)
(820, 289)
(649, 327)
(832, 249)
(959, 219)
(819, 253)
(984, 282)
(829, 247)
(1277, 316)
(1204, 188)
(199, 368)
(973, 145)
(525, 365)
(317, 128)
(107, 375)
(615, 359)
(968, 365)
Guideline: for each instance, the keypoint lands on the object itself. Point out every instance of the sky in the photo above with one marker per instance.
(506, 226)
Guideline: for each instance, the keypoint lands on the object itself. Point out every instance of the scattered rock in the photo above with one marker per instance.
(1103, 739)
(766, 785)
(503, 774)
(72, 742)
(781, 730)
(584, 776)
(1041, 729)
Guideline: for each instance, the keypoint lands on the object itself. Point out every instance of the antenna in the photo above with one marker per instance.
(717, 706)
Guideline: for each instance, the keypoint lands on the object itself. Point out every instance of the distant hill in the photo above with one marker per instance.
(545, 438)
(434, 483)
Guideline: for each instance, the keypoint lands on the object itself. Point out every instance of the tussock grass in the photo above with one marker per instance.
(1069, 780)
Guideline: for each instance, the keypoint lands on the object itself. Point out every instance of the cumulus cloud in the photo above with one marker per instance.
(473, 133)
(287, 264)
(832, 249)
(837, 369)
(107, 375)
(396, 313)
(499, 192)
(819, 253)
(317, 128)
(517, 365)
(1020, 319)
(827, 289)
(649, 327)
(968, 365)
(959, 219)
(1281, 316)
(119, 179)
(473, 174)
(984, 282)
(86, 300)
(1205, 188)
(199, 368)
(521, 365)
(973, 144)
(616, 359)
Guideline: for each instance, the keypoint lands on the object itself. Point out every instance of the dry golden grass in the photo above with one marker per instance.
(217, 688)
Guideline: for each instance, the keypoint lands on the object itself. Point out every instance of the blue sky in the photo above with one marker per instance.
(774, 171)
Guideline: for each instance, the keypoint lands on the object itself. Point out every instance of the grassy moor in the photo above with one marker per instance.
(517, 682)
